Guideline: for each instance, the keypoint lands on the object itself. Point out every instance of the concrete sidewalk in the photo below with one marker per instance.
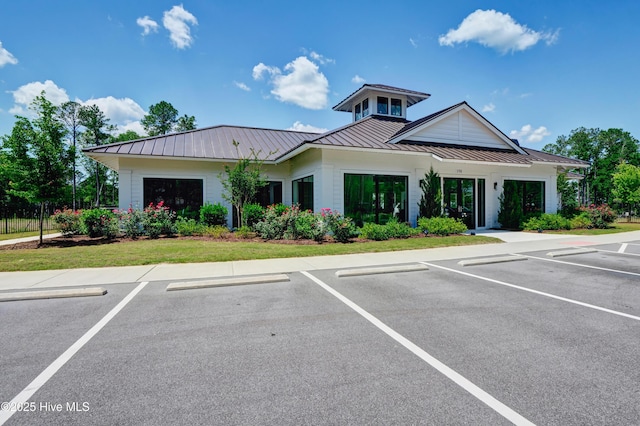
(513, 242)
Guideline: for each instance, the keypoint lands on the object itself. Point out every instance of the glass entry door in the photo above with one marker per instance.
(459, 200)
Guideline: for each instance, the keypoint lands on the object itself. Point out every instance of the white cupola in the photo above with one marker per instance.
(378, 99)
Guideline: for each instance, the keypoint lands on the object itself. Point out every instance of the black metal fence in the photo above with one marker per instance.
(25, 220)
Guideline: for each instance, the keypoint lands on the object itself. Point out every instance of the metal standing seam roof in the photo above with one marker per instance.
(413, 97)
(372, 132)
(211, 143)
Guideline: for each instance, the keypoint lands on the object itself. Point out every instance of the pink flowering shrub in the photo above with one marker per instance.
(158, 219)
(67, 221)
(601, 216)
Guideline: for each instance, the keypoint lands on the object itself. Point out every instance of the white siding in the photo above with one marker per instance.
(460, 128)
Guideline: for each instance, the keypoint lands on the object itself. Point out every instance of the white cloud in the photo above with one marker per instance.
(321, 59)
(24, 96)
(260, 69)
(303, 84)
(124, 112)
(489, 108)
(528, 133)
(496, 30)
(357, 79)
(177, 21)
(299, 127)
(413, 42)
(242, 86)
(6, 57)
(120, 111)
(148, 25)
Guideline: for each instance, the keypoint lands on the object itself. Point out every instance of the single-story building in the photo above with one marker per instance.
(369, 169)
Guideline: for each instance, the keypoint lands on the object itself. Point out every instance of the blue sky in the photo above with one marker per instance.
(537, 70)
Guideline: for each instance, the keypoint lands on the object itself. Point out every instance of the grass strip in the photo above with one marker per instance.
(149, 252)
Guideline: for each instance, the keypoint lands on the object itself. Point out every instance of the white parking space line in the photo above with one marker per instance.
(623, 247)
(599, 268)
(540, 293)
(451, 374)
(56, 365)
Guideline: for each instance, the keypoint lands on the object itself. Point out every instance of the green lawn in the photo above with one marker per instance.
(616, 228)
(169, 250)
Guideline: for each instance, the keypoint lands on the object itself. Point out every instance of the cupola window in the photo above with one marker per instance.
(396, 107)
(383, 105)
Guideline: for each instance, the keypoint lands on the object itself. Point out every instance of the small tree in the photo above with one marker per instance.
(510, 214)
(38, 156)
(160, 120)
(430, 204)
(626, 185)
(186, 123)
(568, 192)
(242, 182)
(70, 115)
(97, 133)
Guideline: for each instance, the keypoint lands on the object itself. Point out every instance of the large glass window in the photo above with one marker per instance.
(531, 193)
(383, 105)
(358, 112)
(375, 198)
(269, 194)
(177, 194)
(396, 107)
(303, 192)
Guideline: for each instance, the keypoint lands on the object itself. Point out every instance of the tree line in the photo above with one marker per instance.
(613, 177)
(41, 162)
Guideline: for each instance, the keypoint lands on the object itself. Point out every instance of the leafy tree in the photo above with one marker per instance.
(430, 204)
(38, 155)
(626, 185)
(604, 150)
(161, 119)
(568, 192)
(510, 214)
(242, 182)
(70, 115)
(129, 135)
(97, 133)
(186, 123)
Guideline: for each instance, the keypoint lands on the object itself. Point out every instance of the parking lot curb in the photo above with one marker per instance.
(227, 282)
(571, 252)
(490, 260)
(380, 270)
(52, 294)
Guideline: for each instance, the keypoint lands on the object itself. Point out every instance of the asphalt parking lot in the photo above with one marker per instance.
(533, 339)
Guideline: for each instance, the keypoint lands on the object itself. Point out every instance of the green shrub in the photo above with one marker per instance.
(189, 227)
(217, 231)
(252, 214)
(546, 221)
(601, 216)
(397, 229)
(99, 223)
(213, 214)
(374, 231)
(309, 226)
(441, 225)
(68, 222)
(581, 221)
(245, 232)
